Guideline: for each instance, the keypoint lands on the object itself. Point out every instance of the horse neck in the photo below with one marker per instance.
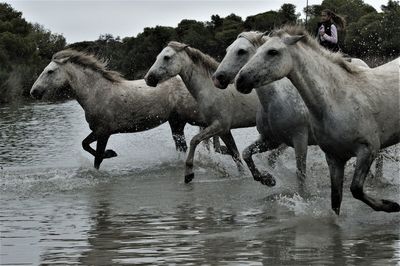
(84, 83)
(268, 93)
(314, 75)
(196, 80)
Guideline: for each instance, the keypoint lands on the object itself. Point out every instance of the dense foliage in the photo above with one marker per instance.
(25, 48)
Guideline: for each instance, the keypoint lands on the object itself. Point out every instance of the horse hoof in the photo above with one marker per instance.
(109, 154)
(268, 181)
(391, 206)
(337, 211)
(189, 178)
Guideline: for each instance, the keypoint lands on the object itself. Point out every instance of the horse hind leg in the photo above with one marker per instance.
(177, 129)
(365, 158)
(259, 146)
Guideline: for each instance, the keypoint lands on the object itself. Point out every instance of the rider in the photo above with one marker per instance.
(327, 32)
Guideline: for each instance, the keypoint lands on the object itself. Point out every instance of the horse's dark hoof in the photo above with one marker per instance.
(336, 210)
(391, 206)
(268, 180)
(189, 178)
(109, 154)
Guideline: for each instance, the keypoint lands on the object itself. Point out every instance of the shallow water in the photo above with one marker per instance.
(56, 209)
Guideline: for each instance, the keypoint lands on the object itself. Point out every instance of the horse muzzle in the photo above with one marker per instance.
(151, 80)
(220, 81)
(243, 84)
(37, 93)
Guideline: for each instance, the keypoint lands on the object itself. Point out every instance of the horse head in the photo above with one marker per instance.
(51, 79)
(271, 62)
(167, 65)
(237, 54)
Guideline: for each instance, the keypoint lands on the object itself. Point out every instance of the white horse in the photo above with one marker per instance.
(223, 110)
(354, 111)
(115, 105)
(284, 118)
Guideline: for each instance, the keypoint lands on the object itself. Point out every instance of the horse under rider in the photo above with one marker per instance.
(327, 32)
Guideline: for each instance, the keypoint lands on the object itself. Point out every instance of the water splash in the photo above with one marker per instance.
(315, 206)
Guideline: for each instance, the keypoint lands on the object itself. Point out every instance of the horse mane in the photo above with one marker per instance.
(198, 57)
(336, 58)
(89, 61)
(254, 37)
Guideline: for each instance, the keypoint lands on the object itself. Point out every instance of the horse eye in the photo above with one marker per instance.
(273, 52)
(241, 52)
(166, 58)
(51, 71)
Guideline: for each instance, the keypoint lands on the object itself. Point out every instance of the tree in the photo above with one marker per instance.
(25, 49)
(373, 34)
(287, 14)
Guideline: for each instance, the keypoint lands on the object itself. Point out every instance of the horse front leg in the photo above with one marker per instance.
(300, 145)
(259, 146)
(336, 171)
(92, 138)
(274, 155)
(212, 130)
(379, 166)
(87, 141)
(232, 149)
(218, 148)
(365, 158)
(101, 146)
(177, 129)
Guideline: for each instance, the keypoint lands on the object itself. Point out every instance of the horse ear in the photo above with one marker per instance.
(61, 60)
(292, 39)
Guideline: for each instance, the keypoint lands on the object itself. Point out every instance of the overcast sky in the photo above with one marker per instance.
(87, 20)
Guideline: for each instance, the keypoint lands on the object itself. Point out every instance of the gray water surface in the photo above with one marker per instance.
(56, 209)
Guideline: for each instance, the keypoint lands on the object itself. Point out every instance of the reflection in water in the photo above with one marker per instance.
(56, 209)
